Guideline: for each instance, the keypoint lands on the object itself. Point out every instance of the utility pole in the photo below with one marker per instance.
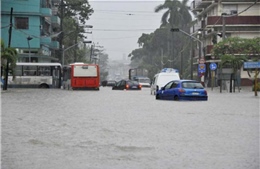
(223, 38)
(61, 29)
(76, 41)
(91, 53)
(9, 45)
(192, 50)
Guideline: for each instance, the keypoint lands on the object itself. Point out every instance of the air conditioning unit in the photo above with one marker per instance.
(233, 12)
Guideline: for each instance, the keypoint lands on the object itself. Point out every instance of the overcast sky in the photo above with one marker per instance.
(117, 25)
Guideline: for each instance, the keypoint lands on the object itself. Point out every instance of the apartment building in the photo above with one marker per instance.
(229, 18)
(35, 28)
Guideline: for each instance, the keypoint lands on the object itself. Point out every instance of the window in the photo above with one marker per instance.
(44, 71)
(174, 84)
(21, 22)
(18, 71)
(168, 86)
(29, 70)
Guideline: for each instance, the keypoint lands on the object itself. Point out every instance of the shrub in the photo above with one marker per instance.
(257, 87)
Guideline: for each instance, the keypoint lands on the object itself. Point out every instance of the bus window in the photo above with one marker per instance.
(18, 71)
(29, 70)
(44, 71)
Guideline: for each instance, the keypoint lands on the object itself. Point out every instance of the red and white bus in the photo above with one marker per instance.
(81, 76)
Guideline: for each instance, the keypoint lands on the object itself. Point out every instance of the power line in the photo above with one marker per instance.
(124, 30)
(118, 38)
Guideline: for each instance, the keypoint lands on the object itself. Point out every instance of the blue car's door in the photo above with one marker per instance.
(170, 92)
(167, 91)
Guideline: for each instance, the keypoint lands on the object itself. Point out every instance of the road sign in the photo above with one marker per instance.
(251, 65)
(202, 68)
(213, 66)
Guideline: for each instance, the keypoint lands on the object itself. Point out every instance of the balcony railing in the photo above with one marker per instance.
(55, 21)
(234, 20)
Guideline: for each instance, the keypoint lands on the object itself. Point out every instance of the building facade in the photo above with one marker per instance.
(35, 28)
(229, 18)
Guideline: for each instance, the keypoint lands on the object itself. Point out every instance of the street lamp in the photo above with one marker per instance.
(64, 50)
(201, 54)
(201, 43)
(28, 39)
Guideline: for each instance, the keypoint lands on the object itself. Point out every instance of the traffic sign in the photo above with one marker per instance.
(202, 68)
(213, 66)
(251, 65)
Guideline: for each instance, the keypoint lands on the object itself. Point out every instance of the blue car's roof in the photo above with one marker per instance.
(186, 80)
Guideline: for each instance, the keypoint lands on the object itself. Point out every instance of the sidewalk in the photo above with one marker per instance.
(242, 89)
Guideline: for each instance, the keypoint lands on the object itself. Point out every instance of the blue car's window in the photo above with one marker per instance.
(174, 84)
(192, 85)
(168, 86)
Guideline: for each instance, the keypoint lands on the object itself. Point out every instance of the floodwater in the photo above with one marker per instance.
(61, 129)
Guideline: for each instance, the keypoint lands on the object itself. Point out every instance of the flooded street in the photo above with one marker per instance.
(61, 129)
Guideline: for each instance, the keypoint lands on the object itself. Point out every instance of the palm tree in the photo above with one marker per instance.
(177, 15)
(8, 55)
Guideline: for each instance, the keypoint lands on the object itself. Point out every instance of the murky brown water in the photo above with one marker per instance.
(60, 129)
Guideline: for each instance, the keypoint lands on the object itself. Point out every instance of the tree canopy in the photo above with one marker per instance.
(9, 55)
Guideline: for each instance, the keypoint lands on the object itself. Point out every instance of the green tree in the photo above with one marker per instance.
(74, 15)
(9, 55)
(77, 8)
(163, 48)
(235, 50)
(235, 62)
(177, 15)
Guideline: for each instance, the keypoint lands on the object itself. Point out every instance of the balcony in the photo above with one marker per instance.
(54, 45)
(234, 20)
(46, 40)
(202, 3)
(46, 11)
(55, 21)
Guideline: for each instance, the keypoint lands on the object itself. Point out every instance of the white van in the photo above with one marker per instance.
(162, 78)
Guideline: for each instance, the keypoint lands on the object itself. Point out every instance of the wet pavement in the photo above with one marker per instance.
(61, 129)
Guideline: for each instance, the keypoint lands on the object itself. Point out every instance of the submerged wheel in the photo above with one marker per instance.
(176, 98)
(44, 86)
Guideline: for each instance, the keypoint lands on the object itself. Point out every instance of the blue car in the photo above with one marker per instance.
(182, 90)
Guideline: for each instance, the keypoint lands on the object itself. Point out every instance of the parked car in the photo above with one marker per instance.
(143, 80)
(127, 85)
(108, 83)
(111, 83)
(182, 90)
